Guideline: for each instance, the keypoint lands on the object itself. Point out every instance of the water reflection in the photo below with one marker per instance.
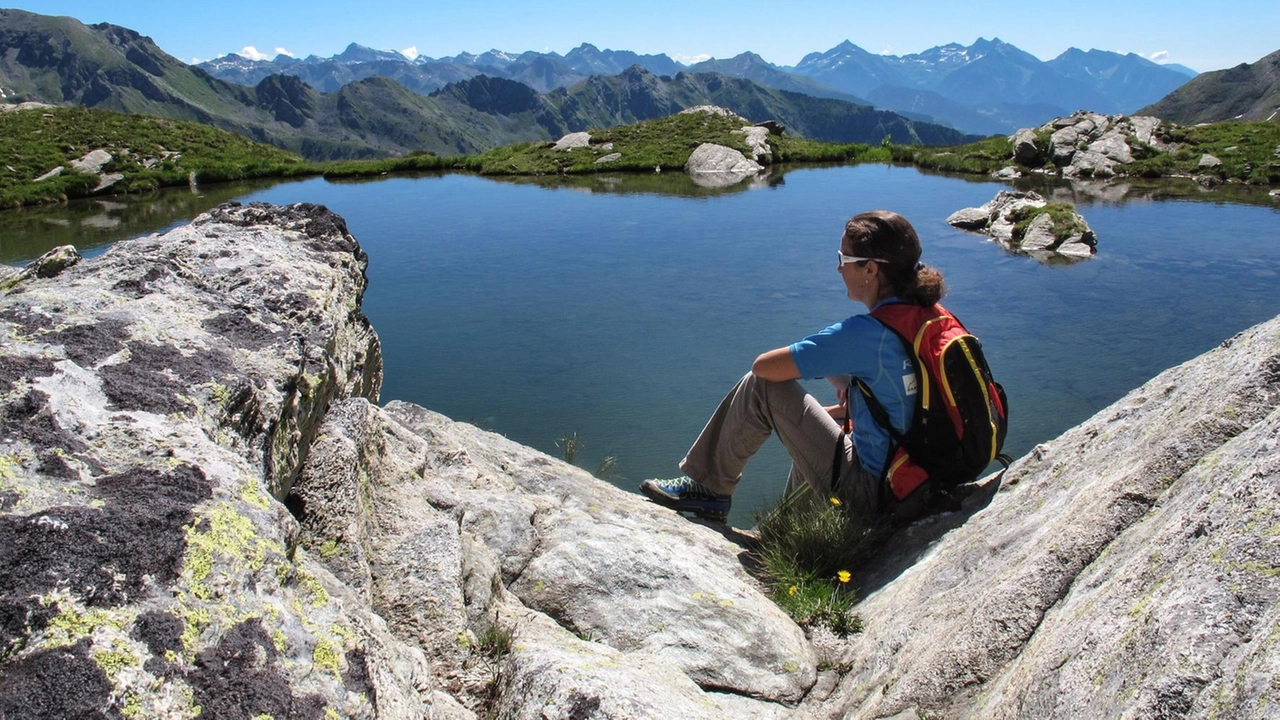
(92, 225)
(670, 184)
(1118, 191)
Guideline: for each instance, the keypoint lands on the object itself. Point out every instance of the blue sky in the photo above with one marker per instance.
(1202, 35)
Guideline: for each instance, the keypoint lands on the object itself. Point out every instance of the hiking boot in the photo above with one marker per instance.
(684, 494)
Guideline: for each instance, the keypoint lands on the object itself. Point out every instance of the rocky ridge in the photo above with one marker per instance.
(201, 504)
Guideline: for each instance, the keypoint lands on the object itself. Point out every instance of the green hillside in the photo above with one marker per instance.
(149, 152)
(1244, 92)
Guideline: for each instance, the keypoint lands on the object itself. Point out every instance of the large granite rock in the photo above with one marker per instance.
(410, 504)
(1125, 569)
(154, 406)
(204, 512)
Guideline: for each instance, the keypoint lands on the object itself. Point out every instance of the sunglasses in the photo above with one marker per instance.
(846, 259)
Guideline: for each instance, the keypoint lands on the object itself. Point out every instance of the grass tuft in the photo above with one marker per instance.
(808, 549)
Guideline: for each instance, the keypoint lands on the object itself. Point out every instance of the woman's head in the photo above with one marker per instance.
(892, 244)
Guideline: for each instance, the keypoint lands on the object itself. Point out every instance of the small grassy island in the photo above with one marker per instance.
(47, 151)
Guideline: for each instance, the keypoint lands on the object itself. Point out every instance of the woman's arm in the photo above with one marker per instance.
(776, 365)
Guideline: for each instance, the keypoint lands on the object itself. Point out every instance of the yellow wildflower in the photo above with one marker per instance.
(792, 590)
(835, 501)
(844, 576)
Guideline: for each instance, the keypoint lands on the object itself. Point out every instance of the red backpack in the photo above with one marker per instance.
(961, 415)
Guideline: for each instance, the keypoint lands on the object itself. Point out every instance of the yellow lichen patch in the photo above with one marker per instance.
(228, 536)
(220, 394)
(312, 587)
(1141, 605)
(329, 548)
(279, 641)
(75, 621)
(325, 657)
(347, 634)
(251, 492)
(194, 621)
(114, 660)
(1253, 566)
(7, 465)
(131, 707)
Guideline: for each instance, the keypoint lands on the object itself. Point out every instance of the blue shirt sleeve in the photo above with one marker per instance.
(862, 347)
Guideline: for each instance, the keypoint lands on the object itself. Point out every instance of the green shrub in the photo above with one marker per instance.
(1065, 220)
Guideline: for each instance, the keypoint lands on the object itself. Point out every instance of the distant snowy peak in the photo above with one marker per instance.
(833, 58)
(943, 55)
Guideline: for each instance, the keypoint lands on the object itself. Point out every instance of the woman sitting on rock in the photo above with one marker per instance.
(879, 261)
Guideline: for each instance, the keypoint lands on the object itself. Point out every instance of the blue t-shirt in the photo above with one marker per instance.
(862, 347)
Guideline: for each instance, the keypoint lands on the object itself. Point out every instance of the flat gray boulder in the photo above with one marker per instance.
(709, 159)
(92, 162)
(573, 140)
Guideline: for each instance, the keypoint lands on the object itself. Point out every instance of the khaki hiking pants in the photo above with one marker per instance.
(754, 409)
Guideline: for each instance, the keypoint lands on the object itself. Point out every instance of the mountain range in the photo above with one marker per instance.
(988, 87)
(62, 61)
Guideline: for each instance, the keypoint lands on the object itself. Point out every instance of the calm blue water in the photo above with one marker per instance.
(538, 312)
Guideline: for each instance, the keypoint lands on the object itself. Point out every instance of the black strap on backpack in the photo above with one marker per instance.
(837, 461)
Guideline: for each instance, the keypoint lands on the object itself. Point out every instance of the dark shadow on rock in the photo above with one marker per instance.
(907, 545)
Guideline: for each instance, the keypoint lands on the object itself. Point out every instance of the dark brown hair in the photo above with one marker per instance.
(889, 237)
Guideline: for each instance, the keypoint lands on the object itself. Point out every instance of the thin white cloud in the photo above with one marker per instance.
(887, 51)
(282, 51)
(690, 59)
(410, 52)
(1159, 57)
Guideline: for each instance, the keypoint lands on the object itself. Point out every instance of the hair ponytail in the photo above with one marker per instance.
(888, 237)
(924, 286)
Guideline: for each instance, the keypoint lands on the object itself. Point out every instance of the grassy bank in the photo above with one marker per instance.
(1247, 151)
(149, 152)
(152, 152)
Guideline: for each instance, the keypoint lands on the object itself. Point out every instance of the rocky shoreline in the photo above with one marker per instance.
(204, 511)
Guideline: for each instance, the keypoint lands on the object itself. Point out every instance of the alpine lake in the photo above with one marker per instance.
(610, 313)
